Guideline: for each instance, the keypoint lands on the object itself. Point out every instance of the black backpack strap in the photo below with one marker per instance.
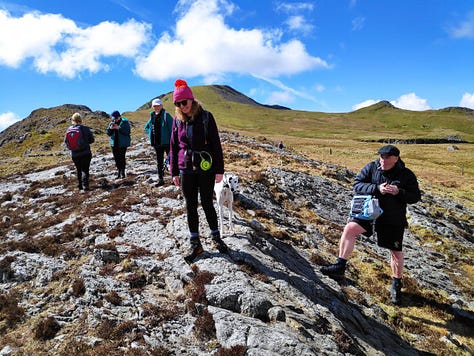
(205, 122)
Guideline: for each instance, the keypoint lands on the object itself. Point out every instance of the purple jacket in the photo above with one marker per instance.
(185, 156)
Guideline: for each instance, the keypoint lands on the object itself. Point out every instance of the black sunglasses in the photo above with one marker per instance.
(181, 103)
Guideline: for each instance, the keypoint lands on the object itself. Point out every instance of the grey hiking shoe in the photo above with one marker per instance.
(195, 249)
(396, 293)
(219, 244)
(335, 271)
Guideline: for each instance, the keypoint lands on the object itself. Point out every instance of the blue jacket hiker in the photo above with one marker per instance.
(78, 139)
(158, 128)
(119, 132)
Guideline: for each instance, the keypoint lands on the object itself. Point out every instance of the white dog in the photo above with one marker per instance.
(225, 195)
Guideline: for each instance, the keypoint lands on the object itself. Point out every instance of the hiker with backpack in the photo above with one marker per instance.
(196, 163)
(158, 128)
(395, 186)
(119, 132)
(78, 139)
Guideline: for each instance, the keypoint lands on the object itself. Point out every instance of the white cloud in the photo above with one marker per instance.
(467, 100)
(57, 44)
(285, 88)
(319, 88)
(7, 119)
(364, 104)
(295, 7)
(299, 23)
(411, 102)
(280, 98)
(464, 29)
(358, 23)
(200, 48)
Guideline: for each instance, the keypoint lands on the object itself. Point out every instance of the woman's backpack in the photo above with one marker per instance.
(75, 139)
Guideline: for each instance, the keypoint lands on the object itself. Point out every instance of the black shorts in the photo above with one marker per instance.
(388, 236)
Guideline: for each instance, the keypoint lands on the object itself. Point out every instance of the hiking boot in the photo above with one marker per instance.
(219, 244)
(396, 293)
(335, 271)
(160, 182)
(195, 249)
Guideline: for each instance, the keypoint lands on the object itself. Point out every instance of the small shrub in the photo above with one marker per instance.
(46, 329)
(106, 328)
(236, 350)
(136, 280)
(111, 330)
(204, 326)
(106, 246)
(115, 232)
(113, 298)
(252, 271)
(160, 351)
(138, 251)
(78, 287)
(72, 231)
(107, 269)
(345, 343)
(317, 259)
(124, 328)
(5, 266)
(197, 291)
(157, 314)
(7, 197)
(9, 309)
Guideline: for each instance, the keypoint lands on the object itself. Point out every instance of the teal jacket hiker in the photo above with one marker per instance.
(123, 136)
(165, 122)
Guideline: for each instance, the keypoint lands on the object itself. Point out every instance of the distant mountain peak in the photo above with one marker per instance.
(226, 92)
(384, 104)
(458, 109)
(229, 93)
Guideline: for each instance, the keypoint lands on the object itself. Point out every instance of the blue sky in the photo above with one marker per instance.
(323, 55)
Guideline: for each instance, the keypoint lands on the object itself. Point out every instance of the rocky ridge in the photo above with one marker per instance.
(102, 271)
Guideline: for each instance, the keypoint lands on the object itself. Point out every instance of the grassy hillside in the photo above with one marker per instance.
(340, 138)
(346, 139)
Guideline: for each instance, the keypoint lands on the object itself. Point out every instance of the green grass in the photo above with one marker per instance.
(337, 138)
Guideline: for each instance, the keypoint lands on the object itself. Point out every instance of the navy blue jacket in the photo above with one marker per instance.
(393, 206)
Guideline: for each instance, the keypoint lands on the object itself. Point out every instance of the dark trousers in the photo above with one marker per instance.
(202, 184)
(119, 157)
(83, 164)
(160, 151)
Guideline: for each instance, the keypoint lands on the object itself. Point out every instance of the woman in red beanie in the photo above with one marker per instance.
(196, 162)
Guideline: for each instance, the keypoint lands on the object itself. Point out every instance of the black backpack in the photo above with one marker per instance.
(205, 123)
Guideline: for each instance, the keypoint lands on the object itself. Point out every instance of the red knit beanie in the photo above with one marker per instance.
(182, 91)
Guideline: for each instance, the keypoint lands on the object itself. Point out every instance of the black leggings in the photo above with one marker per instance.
(203, 183)
(83, 164)
(160, 151)
(119, 157)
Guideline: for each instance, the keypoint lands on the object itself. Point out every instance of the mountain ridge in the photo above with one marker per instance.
(37, 141)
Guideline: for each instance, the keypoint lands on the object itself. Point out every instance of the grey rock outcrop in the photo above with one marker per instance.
(124, 241)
